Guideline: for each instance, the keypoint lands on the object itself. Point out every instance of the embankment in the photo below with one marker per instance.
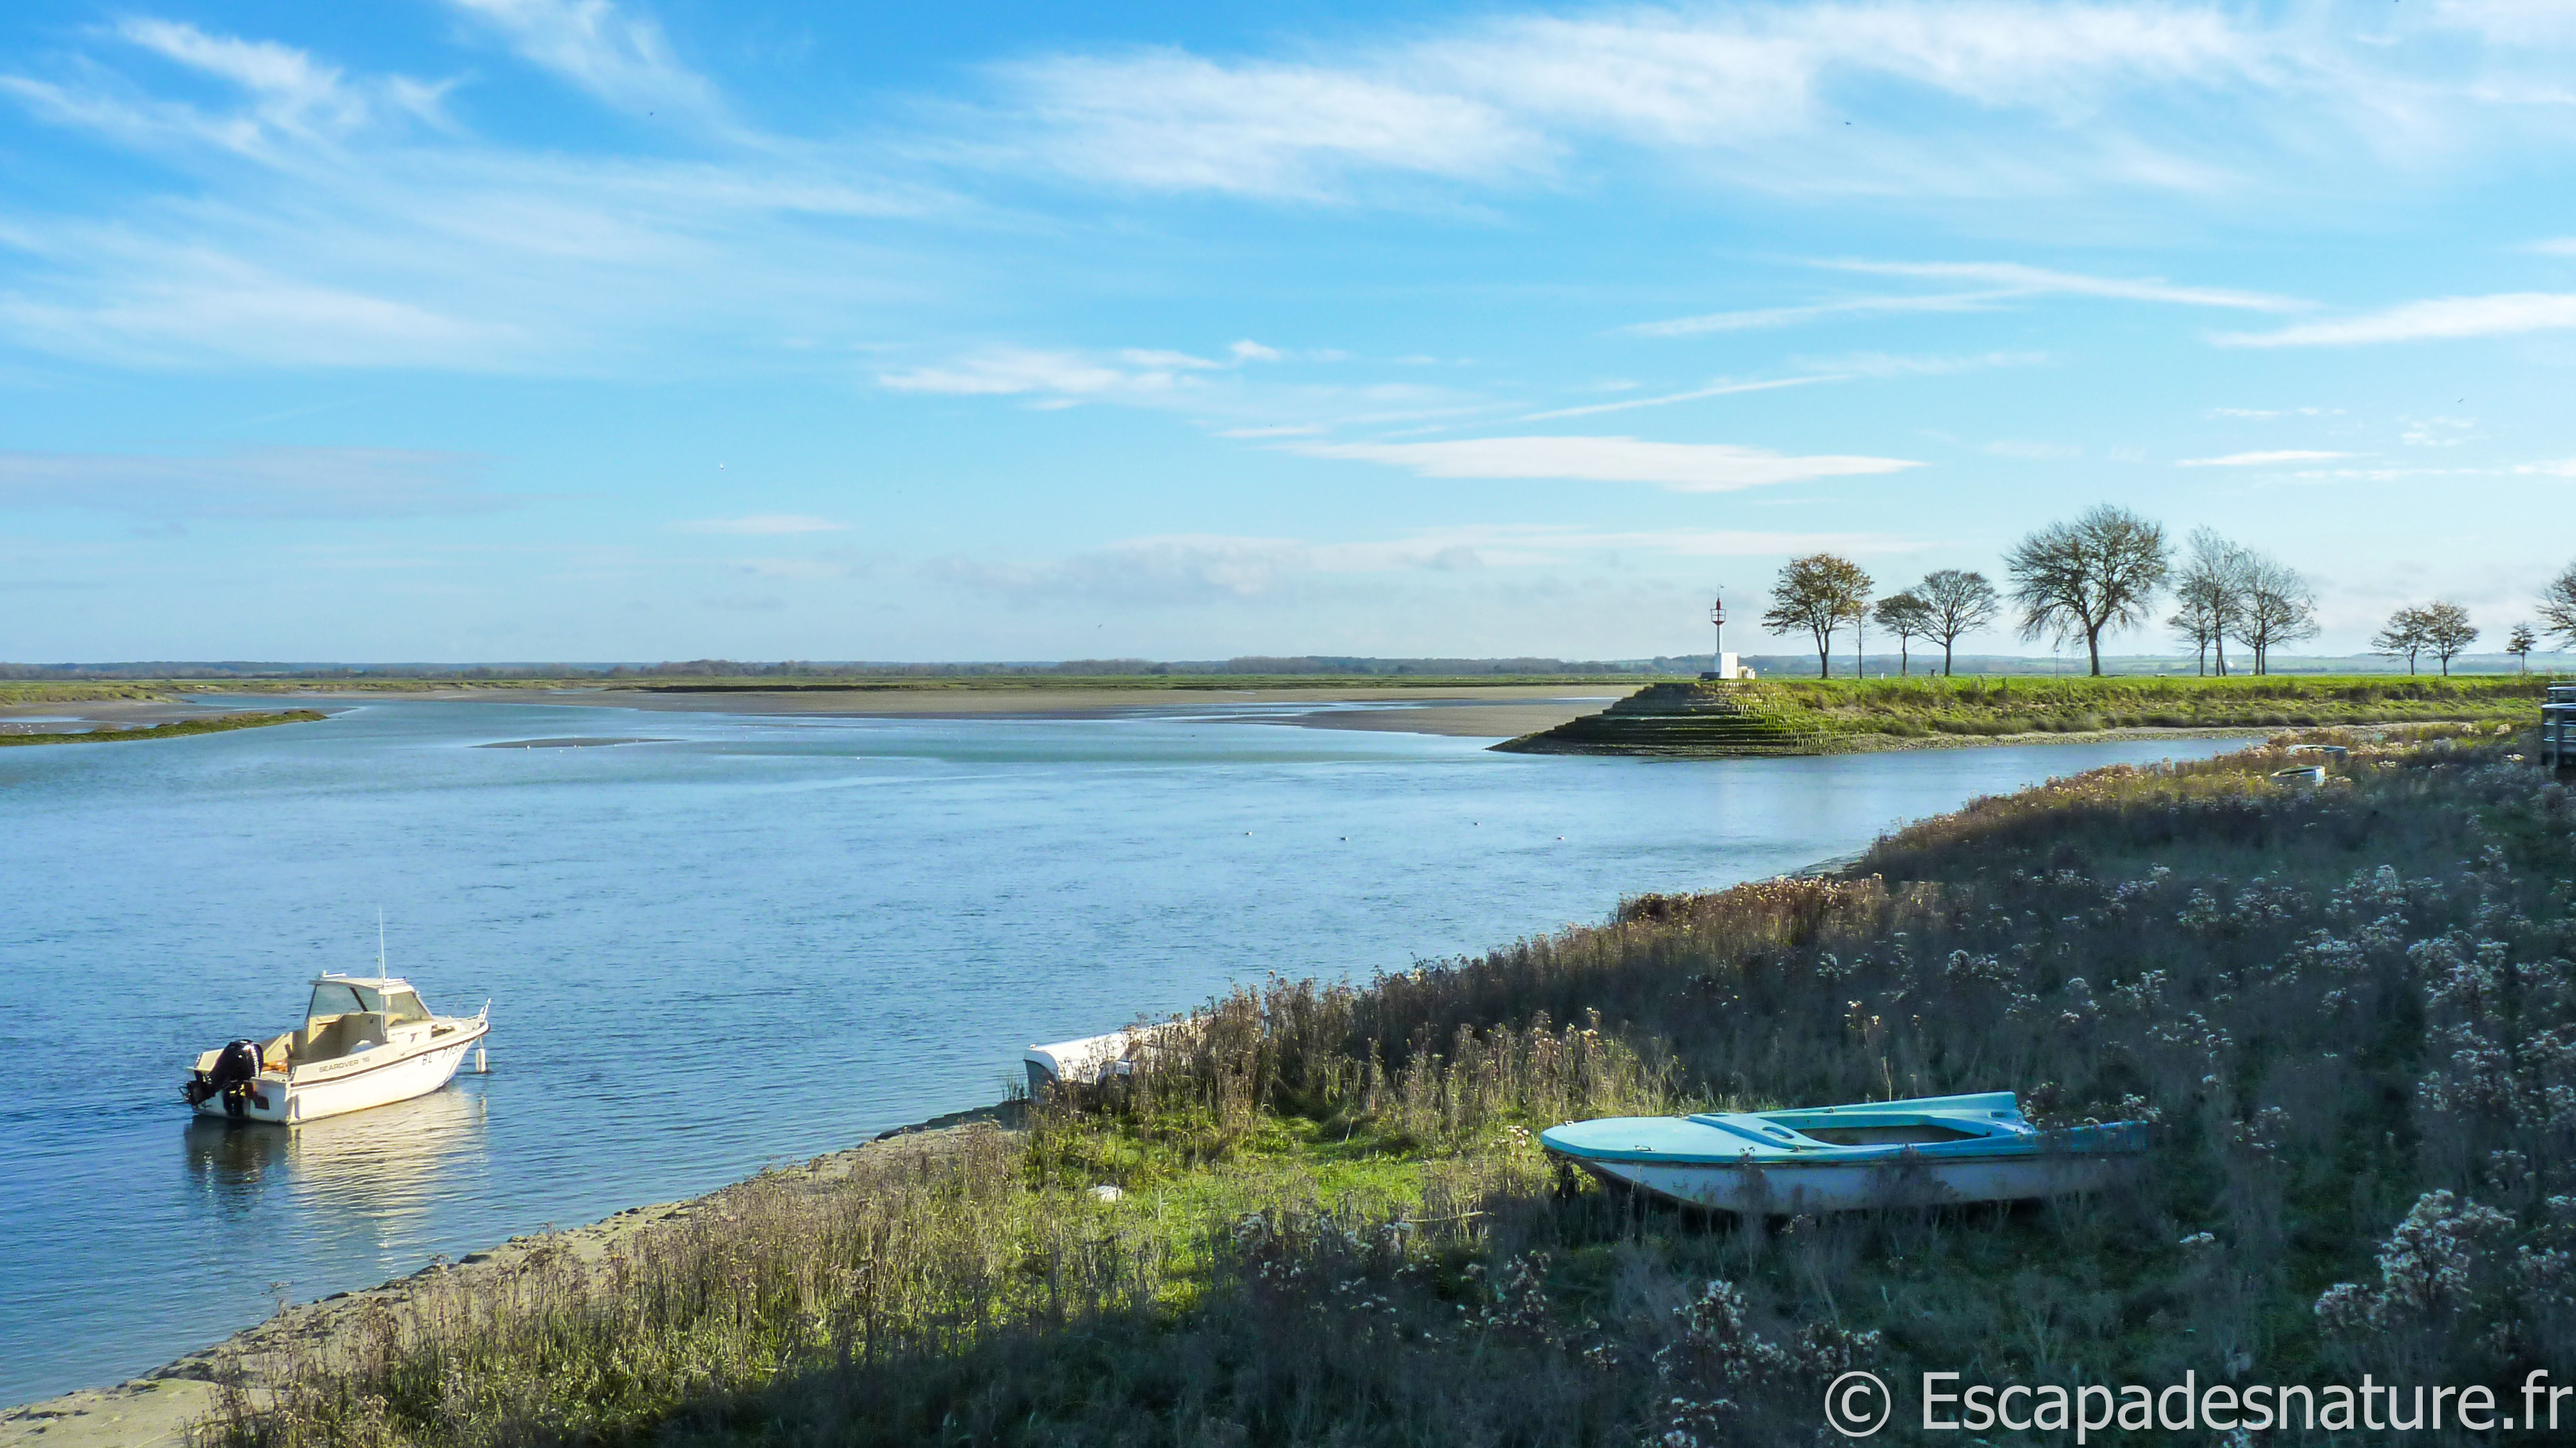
(1734, 719)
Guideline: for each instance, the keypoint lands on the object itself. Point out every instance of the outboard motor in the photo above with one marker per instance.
(236, 1069)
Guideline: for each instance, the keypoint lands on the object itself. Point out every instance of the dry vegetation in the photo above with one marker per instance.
(1914, 707)
(2350, 1008)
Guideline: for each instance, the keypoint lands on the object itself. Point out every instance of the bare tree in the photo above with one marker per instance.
(2275, 606)
(2558, 607)
(1817, 593)
(2520, 643)
(2210, 591)
(2197, 624)
(2447, 631)
(1906, 616)
(2403, 634)
(1959, 602)
(2099, 572)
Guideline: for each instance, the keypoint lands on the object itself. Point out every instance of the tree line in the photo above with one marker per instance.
(2103, 572)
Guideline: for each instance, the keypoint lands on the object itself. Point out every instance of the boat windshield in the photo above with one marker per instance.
(403, 1006)
(336, 998)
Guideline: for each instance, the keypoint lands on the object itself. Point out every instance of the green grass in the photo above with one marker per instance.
(2347, 1008)
(174, 730)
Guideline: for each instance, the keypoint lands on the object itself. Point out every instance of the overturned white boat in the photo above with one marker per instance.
(366, 1041)
(1930, 1151)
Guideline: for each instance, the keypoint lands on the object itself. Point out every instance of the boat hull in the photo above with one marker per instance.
(361, 1084)
(1784, 1190)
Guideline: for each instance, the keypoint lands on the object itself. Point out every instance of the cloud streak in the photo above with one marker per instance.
(2436, 319)
(1680, 467)
(2273, 458)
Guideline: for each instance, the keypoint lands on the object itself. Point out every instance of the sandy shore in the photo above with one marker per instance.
(61, 717)
(1465, 712)
(154, 1411)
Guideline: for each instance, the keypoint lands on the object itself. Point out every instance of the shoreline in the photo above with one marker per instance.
(155, 1409)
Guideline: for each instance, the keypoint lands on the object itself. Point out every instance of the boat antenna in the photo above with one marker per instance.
(380, 942)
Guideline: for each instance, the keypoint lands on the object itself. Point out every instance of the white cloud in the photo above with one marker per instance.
(1171, 121)
(2260, 459)
(621, 58)
(1885, 364)
(1761, 317)
(2438, 431)
(2563, 468)
(1511, 97)
(761, 525)
(1715, 389)
(2015, 279)
(2436, 319)
(1015, 371)
(2002, 282)
(251, 482)
(1682, 467)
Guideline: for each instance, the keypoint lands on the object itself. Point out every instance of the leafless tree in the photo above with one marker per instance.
(2558, 607)
(2520, 643)
(2402, 635)
(2447, 632)
(2276, 606)
(1906, 616)
(1817, 593)
(2209, 590)
(2100, 572)
(1958, 601)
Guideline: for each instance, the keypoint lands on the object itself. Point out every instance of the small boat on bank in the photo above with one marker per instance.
(1931, 1151)
(366, 1041)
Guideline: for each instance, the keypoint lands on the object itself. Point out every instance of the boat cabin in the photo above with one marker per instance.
(349, 1014)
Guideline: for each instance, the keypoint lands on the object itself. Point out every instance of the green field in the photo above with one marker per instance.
(2346, 1009)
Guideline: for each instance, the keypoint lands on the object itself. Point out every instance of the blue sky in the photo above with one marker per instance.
(564, 329)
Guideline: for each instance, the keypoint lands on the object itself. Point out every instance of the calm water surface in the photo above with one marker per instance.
(759, 940)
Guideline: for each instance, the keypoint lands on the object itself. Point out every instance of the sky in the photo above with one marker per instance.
(462, 330)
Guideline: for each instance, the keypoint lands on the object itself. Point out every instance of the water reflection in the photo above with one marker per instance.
(372, 1169)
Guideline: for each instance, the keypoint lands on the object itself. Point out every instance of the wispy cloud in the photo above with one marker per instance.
(2435, 319)
(616, 55)
(1998, 283)
(1135, 373)
(2015, 279)
(255, 482)
(761, 525)
(1885, 364)
(1716, 389)
(2273, 458)
(1682, 467)
(1762, 317)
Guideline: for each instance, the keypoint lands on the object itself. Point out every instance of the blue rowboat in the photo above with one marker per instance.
(1926, 1152)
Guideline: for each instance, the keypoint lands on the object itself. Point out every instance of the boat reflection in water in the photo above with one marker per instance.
(370, 1174)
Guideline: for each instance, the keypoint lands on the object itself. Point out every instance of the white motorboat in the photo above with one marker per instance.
(366, 1041)
(1931, 1151)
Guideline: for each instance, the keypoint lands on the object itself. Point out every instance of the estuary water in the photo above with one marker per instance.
(749, 941)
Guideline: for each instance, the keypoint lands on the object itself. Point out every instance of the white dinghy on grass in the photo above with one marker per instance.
(1931, 1151)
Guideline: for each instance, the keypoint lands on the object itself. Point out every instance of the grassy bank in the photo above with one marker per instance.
(173, 730)
(1815, 716)
(2349, 1009)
